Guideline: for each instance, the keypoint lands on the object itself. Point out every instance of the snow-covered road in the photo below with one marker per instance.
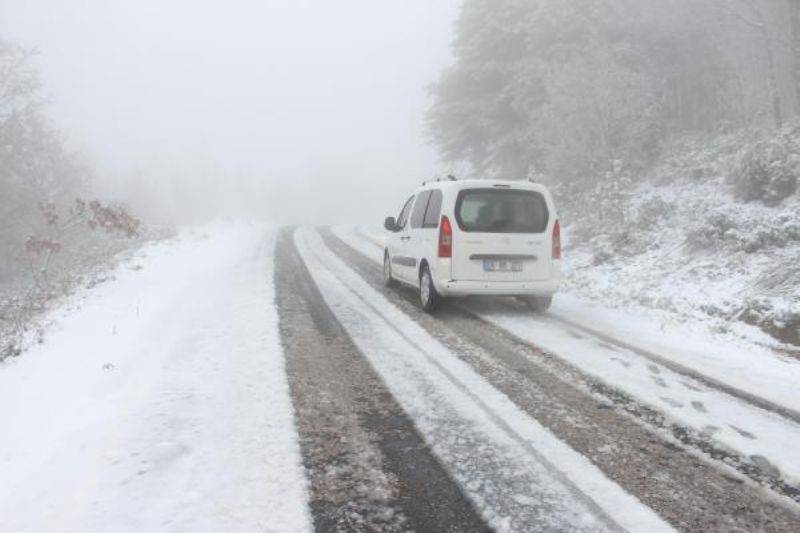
(481, 437)
(242, 379)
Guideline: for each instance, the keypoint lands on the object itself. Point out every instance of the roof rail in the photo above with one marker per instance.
(450, 177)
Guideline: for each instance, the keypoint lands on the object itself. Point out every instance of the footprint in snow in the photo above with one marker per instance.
(743, 433)
(607, 346)
(670, 401)
(766, 468)
(699, 407)
(654, 369)
(660, 382)
(691, 387)
(626, 364)
(162, 455)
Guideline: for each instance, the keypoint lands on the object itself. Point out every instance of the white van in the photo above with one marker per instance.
(473, 237)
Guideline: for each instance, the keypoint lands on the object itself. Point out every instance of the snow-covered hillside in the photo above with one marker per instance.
(712, 234)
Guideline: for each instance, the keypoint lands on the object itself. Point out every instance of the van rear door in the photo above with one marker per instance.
(502, 235)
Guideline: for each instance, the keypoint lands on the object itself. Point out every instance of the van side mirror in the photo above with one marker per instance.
(390, 224)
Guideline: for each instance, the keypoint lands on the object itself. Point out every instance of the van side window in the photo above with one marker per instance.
(419, 209)
(403, 217)
(434, 210)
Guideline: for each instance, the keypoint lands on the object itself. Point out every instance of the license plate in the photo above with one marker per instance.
(500, 265)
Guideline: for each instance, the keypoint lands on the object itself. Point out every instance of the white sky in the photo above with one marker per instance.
(310, 110)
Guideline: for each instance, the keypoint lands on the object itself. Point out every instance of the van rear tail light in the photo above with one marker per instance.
(445, 238)
(556, 240)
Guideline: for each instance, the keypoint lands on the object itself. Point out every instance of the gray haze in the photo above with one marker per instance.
(300, 111)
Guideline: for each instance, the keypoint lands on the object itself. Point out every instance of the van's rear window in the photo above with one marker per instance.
(501, 211)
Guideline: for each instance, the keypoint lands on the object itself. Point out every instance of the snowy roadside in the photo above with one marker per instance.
(764, 438)
(693, 253)
(752, 368)
(161, 403)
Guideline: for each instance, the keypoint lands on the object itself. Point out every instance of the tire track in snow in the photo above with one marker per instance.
(692, 492)
(762, 403)
(757, 442)
(481, 436)
(369, 469)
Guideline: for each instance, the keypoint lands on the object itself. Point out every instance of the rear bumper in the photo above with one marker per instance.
(546, 287)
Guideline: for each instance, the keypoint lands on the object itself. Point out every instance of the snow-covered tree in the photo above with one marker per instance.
(569, 90)
(566, 87)
(34, 165)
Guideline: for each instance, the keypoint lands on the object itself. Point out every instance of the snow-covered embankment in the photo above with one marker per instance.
(160, 403)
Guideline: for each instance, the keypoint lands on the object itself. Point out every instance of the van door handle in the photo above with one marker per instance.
(405, 238)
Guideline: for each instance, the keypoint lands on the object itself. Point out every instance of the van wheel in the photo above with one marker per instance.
(429, 299)
(388, 280)
(539, 304)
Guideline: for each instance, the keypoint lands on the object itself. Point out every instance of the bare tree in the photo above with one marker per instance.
(794, 7)
(34, 165)
(749, 14)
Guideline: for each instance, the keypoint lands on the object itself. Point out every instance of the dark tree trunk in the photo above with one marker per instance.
(794, 5)
(760, 24)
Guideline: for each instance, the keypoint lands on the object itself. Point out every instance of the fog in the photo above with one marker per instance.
(300, 112)
(218, 269)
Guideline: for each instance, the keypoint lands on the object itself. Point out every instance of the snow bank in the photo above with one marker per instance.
(161, 403)
(719, 417)
(742, 365)
(695, 248)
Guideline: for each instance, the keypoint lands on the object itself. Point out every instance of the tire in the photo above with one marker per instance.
(429, 299)
(539, 304)
(388, 280)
